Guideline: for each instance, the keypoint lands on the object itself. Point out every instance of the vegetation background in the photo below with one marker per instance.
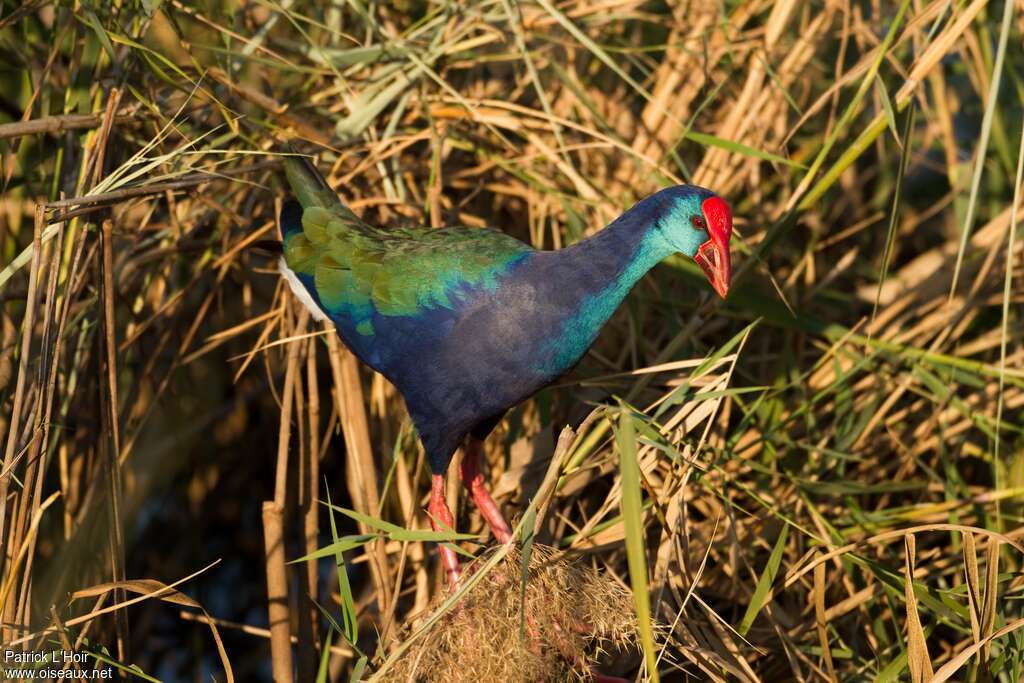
(831, 464)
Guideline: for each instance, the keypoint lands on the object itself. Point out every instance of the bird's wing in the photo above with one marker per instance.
(358, 269)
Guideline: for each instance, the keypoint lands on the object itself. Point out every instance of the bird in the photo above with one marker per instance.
(468, 322)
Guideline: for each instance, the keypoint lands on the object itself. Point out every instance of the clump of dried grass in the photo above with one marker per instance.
(570, 617)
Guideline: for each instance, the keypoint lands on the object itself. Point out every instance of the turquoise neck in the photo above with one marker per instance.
(606, 267)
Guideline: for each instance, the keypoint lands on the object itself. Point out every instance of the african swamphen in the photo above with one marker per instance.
(468, 322)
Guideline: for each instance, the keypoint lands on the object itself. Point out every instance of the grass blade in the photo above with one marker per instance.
(739, 148)
(1004, 323)
(908, 128)
(323, 671)
(890, 113)
(986, 131)
(762, 593)
(633, 520)
(917, 643)
(399, 533)
(349, 616)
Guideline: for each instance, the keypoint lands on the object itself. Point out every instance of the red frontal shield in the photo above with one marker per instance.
(713, 255)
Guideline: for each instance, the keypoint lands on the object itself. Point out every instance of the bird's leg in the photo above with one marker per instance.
(473, 480)
(441, 520)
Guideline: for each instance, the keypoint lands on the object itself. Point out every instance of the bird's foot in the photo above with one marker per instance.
(441, 520)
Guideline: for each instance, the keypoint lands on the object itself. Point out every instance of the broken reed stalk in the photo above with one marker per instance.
(109, 402)
(309, 618)
(38, 449)
(32, 483)
(306, 652)
(108, 393)
(277, 592)
(57, 124)
(278, 603)
(183, 183)
(8, 550)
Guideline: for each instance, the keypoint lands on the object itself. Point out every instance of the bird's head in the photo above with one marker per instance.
(698, 223)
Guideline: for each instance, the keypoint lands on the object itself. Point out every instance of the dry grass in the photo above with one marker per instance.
(556, 630)
(830, 465)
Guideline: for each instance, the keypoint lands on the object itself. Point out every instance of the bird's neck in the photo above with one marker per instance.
(596, 275)
(628, 248)
(611, 261)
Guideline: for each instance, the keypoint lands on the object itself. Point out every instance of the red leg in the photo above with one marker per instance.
(473, 480)
(441, 520)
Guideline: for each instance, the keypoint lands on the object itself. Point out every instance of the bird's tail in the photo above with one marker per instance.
(310, 188)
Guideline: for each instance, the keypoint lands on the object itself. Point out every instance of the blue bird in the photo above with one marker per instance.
(468, 322)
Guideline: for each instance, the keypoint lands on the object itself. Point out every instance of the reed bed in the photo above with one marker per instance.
(820, 478)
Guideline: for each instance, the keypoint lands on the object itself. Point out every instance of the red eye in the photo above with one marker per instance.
(698, 222)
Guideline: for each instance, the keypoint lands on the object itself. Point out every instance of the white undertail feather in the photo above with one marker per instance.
(300, 291)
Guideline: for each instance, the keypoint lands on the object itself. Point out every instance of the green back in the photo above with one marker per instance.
(358, 269)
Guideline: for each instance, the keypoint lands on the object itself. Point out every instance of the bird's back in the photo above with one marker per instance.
(465, 322)
(421, 306)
